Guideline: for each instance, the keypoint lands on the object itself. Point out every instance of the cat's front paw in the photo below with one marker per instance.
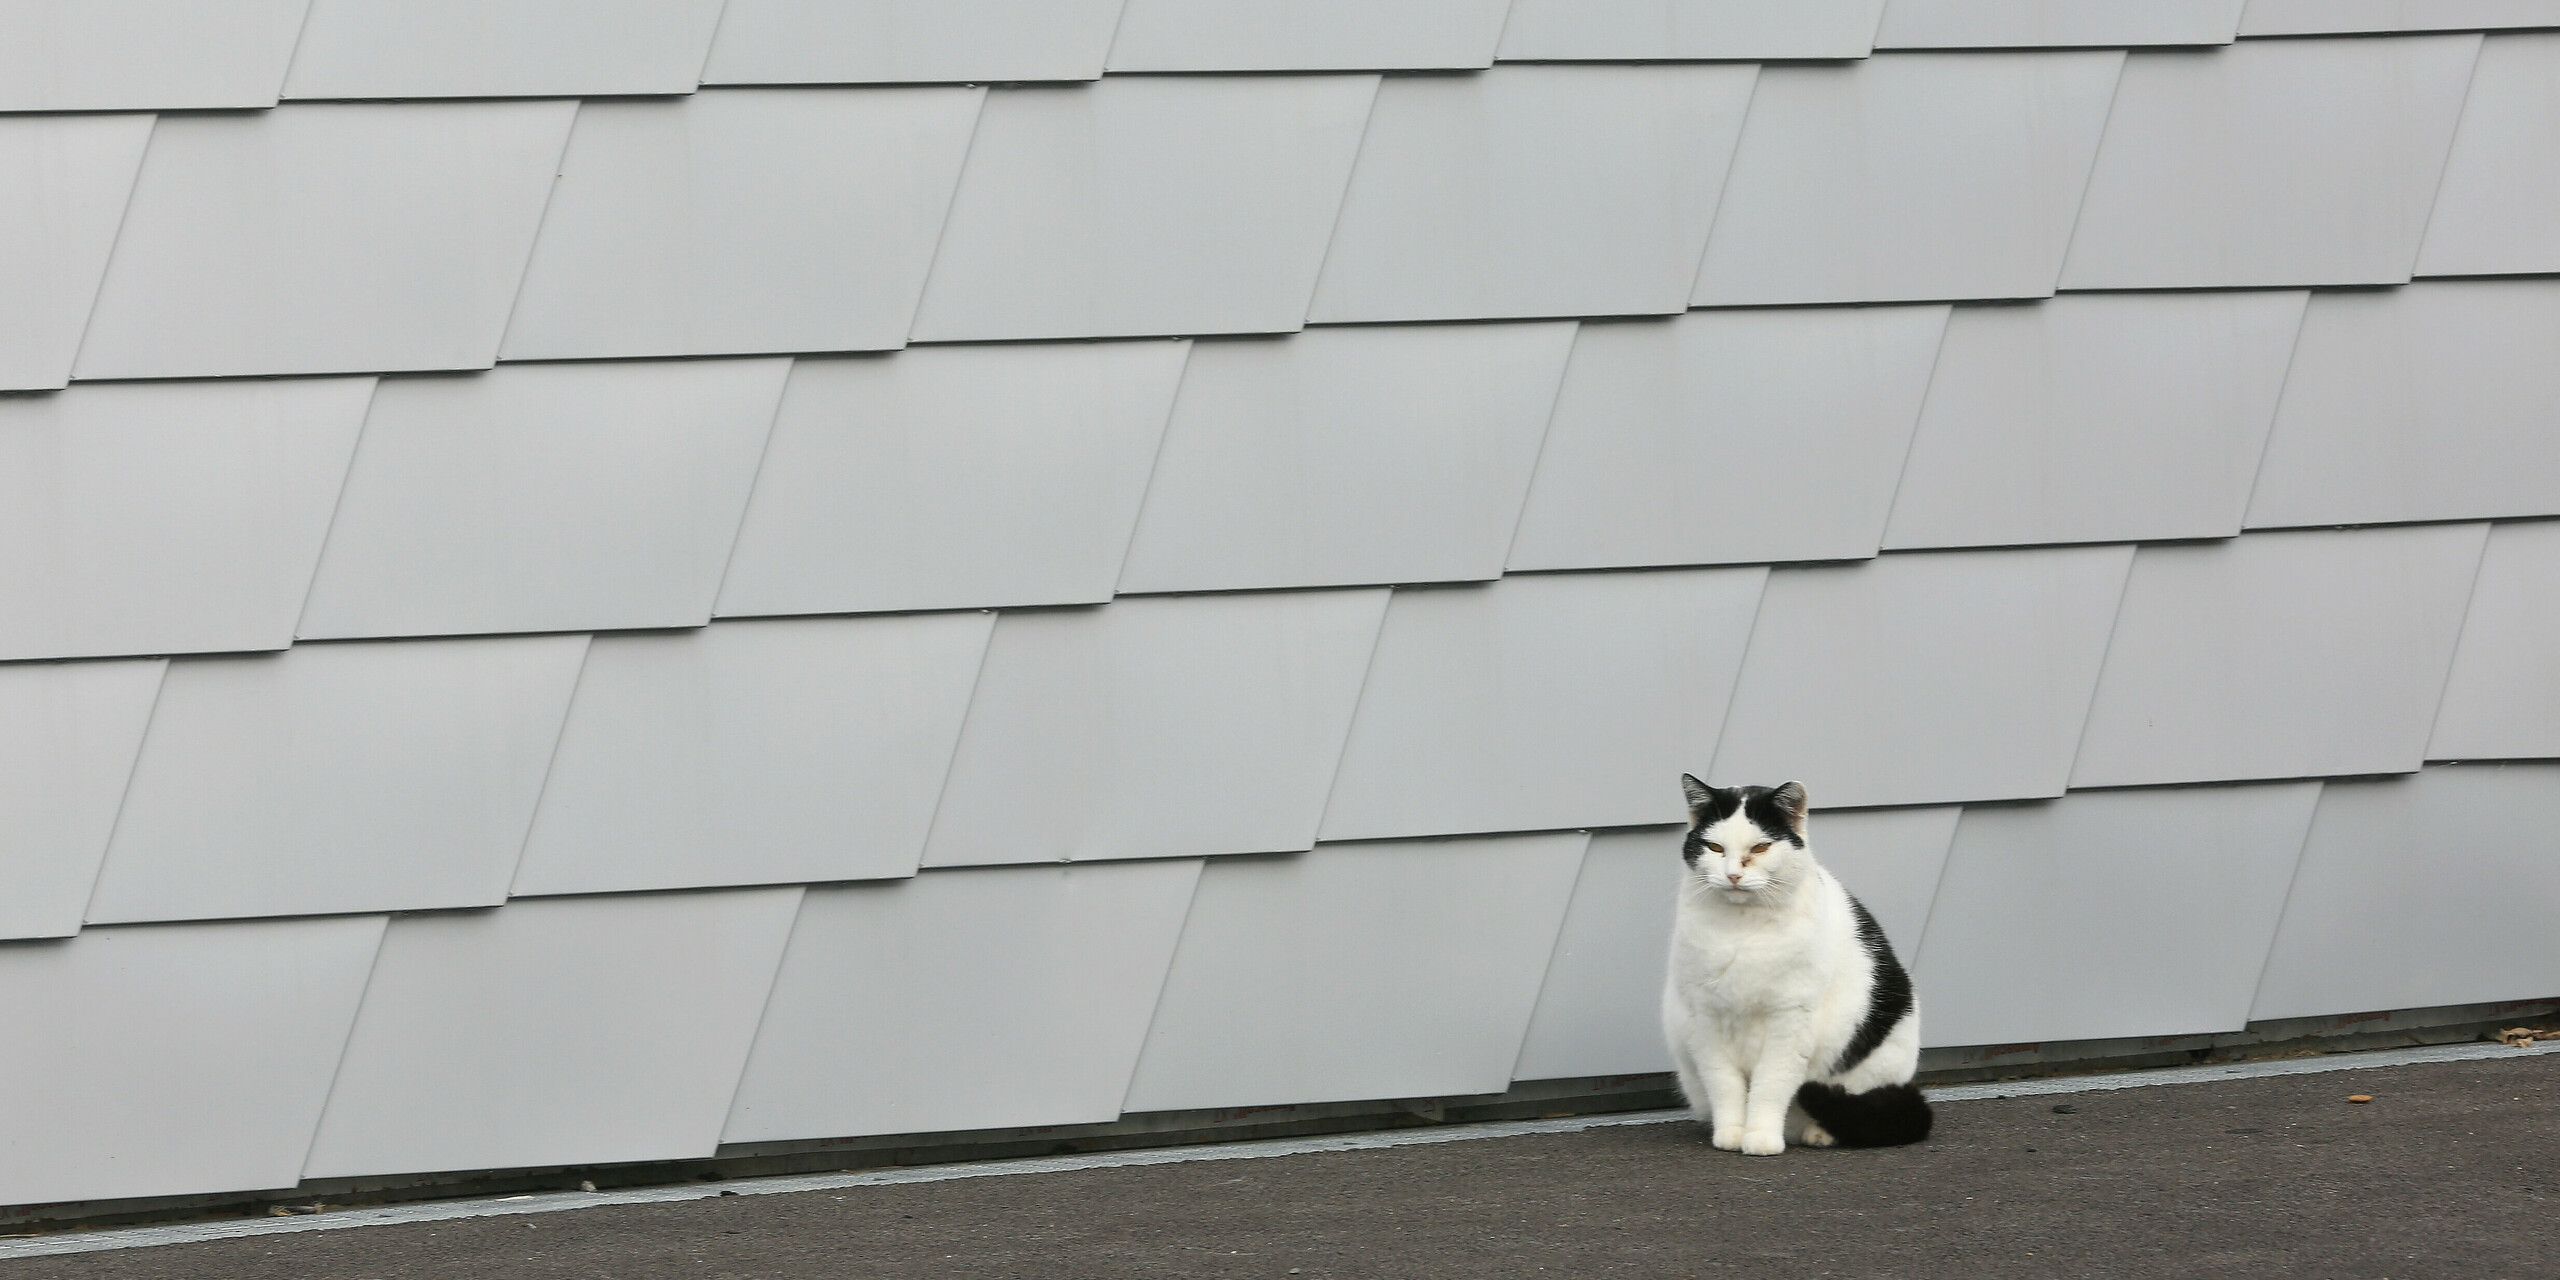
(1815, 1135)
(1762, 1144)
(1724, 1139)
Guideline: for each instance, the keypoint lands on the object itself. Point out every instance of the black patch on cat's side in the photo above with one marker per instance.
(1883, 1117)
(1888, 998)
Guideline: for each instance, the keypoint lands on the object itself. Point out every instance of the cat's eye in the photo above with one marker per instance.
(1758, 849)
(1714, 846)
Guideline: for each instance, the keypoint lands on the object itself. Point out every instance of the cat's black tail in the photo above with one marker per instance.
(1885, 1117)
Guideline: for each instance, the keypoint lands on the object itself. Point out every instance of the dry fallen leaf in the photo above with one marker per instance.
(2360, 1097)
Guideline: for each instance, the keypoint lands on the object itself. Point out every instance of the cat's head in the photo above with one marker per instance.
(1744, 840)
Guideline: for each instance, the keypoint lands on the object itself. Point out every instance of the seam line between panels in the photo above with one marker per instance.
(1368, 673)
(950, 206)
(1911, 438)
(301, 30)
(2284, 908)
(124, 794)
(1547, 968)
(1724, 189)
(2098, 682)
(2080, 209)
(1342, 198)
(2470, 597)
(124, 213)
(1172, 959)
(550, 762)
(2275, 411)
(968, 714)
(337, 507)
(764, 1010)
(755, 481)
(1546, 434)
(565, 1201)
(2435, 194)
(346, 1044)
(1155, 466)
(541, 222)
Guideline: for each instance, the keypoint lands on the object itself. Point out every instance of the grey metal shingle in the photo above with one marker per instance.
(124, 55)
(1631, 30)
(891, 41)
(500, 48)
(2502, 698)
(2054, 24)
(1908, 177)
(68, 735)
(1306, 35)
(64, 183)
(2498, 210)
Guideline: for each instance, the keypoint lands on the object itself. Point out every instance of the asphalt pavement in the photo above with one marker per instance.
(2452, 1169)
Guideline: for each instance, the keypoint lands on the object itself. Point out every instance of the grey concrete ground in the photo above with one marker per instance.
(2452, 1170)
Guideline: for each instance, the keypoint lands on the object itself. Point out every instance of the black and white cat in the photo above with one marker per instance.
(1788, 1017)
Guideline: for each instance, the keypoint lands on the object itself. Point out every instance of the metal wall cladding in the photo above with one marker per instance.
(325, 238)
(2502, 698)
(1322, 35)
(885, 41)
(1540, 702)
(1924, 678)
(1908, 177)
(754, 753)
(2270, 163)
(558, 1031)
(1890, 860)
(1341, 456)
(1599, 1009)
(2432, 402)
(2429, 889)
(167, 517)
(743, 221)
(2109, 914)
(176, 1059)
(1145, 205)
(2498, 210)
(64, 181)
(544, 498)
(2055, 24)
(500, 48)
(1643, 30)
(1527, 191)
(2096, 418)
(2321, 17)
(953, 477)
(1644, 460)
(978, 999)
(1153, 728)
(123, 55)
(1404, 969)
(2274, 656)
(68, 736)
(330, 778)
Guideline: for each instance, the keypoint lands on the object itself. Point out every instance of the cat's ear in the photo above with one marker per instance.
(1790, 797)
(1698, 793)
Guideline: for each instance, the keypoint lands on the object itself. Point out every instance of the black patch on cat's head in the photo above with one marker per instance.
(1778, 811)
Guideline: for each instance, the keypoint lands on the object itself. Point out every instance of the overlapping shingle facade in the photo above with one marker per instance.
(583, 581)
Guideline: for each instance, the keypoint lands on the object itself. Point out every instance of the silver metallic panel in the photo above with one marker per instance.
(544, 498)
(1543, 701)
(68, 736)
(1401, 970)
(1156, 727)
(342, 777)
(2109, 914)
(953, 477)
(553, 1031)
(2270, 162)
(963, 1000)
(2279, 655)
(884, 41)
(743, 221)
(1351, 455)
(2430, 889)
(1658, 418)
(1908, 177)
(500, 48)
(1919, 679)
(754, 753)
(1533, 191)
(1145, 205)
(2096, 418)
(2502, 699)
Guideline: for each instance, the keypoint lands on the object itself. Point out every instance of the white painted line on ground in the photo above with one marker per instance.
(562, 1201)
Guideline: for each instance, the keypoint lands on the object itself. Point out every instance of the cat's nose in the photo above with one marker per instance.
(1734, 876)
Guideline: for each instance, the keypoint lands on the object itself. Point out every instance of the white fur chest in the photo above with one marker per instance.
(1730, 962)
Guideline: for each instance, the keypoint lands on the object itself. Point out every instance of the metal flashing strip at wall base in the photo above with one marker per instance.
(2277, 1047)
